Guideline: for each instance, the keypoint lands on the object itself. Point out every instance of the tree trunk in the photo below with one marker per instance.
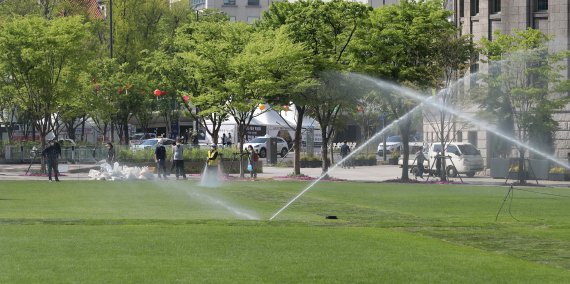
(298, 139)
(241, 141)
(126, 132)
(83, 128)
(324, 150)
(405, 133)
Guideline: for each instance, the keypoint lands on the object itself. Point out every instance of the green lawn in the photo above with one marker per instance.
(165, 232)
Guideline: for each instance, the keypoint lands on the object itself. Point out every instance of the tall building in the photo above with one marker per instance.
(482, 18)
(247, 11)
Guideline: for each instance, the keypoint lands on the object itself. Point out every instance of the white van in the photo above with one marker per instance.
(465, 157)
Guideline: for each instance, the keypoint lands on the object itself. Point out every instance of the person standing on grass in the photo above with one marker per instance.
(178, 159)
(213, 159)
(110, 154)
(50, 153)
(344, 151)
(420, 158)
(160, 159)
(252, 158)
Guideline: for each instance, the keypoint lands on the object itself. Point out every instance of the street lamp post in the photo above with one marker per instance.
(111, 28)
(383, 118)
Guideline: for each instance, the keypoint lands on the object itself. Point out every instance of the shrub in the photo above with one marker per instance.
(557, 170)
(395, 155)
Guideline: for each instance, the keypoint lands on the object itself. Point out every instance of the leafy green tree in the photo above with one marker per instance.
(39, 55)
(325, 29)
(206, 50)
(453, 58)
(269, 67)
(8, 105)
(523, 88)
(402, 43)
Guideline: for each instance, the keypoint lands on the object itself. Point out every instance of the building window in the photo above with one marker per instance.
(474, 7)
(461, 8)
(232, 19)
(197, 2)
(459, 136)
(252, 2)
(252, 20)
(542, 5)
(472, 137)
(229, 2)
(495, 6)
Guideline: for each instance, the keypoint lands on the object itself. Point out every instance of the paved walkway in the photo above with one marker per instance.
(368, 174)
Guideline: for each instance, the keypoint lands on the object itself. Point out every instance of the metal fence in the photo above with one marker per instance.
(25, 154)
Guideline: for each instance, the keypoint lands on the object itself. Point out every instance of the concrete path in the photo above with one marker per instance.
(368, 174)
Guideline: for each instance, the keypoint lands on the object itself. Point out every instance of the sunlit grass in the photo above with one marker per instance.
(117, 232)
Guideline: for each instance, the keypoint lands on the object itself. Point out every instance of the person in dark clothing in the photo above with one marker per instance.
(344, 151)
(57, 148)
(186, 136)
(50, 153)
(420, 158)
(252, 157)
(229, 140)
(160, 159)
(110, 154)
(438, 158)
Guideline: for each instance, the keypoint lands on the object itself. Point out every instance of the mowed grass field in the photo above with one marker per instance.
(179, 232)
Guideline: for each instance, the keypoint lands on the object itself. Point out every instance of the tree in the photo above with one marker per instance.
(453, 58)
(269, 68)
(524, 85)
(401, 43)
(325, 29)
(205, 51)
(39, 55)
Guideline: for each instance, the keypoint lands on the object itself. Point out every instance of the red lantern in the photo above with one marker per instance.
(157, 93)
(185, 98)
(261, 106)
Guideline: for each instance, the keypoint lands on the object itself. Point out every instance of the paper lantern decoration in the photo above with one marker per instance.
(185, 98)
(261, 106)
(157, 93)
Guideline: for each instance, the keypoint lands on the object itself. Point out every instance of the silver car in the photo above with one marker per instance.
(259, 146)
(151, 143)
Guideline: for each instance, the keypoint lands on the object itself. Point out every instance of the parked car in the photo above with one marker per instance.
(259, 145)
(151, 143)
(138, 138)
(463, 158)
(393, 143)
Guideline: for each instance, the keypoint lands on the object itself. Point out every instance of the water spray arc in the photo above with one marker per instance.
(484, 125)
(387, 86)
(357, 150)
